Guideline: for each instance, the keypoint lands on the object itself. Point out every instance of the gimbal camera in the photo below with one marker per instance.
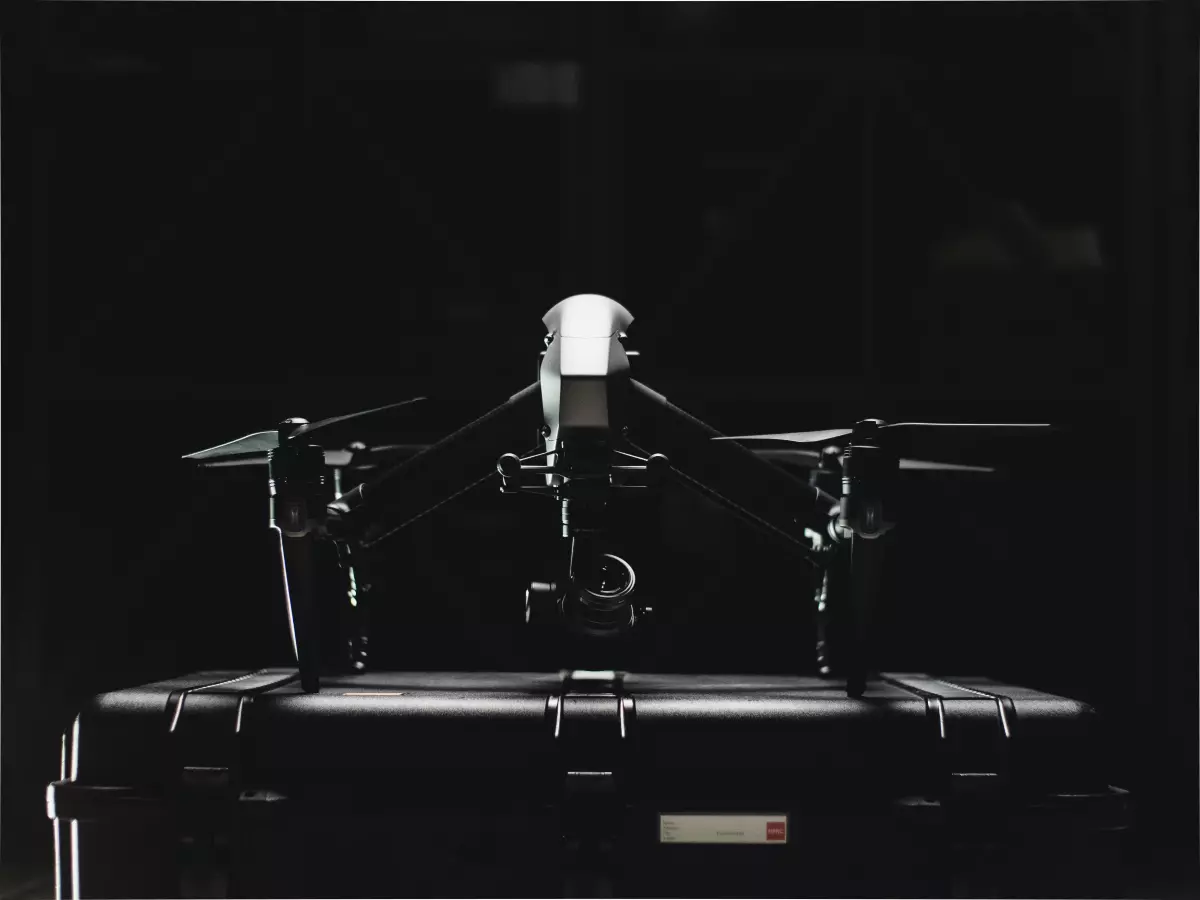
(585, 463)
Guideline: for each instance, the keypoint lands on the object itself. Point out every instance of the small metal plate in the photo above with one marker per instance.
(723, 829)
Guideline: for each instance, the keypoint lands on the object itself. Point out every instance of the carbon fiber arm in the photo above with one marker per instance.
(375, 510)
(755, 490)
(752, 488)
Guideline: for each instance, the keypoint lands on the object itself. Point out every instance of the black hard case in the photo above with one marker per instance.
(496, 784)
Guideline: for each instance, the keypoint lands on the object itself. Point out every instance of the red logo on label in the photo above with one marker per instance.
(777, 831)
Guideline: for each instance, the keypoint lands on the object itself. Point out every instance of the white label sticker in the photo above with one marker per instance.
(706, 829)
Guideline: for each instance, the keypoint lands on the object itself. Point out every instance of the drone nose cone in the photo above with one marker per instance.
(587, 316)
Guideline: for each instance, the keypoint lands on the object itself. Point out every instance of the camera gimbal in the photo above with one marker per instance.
(584, 379)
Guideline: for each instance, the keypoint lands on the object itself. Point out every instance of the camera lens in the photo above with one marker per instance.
(601, 606)
(613, 578)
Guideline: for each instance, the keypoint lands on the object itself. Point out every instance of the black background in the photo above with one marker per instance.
(243, 212)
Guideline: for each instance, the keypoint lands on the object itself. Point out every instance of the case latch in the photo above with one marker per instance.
(593, 726)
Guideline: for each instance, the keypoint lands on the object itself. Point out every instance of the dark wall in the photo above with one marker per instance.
(245, 212)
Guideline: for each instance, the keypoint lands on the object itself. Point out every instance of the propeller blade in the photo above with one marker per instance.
(259, 460)
(800, 457)
(991, 426)
(925, 465)
(310, 428)
(795, 437)
(336, 459)
(811, 458)
(814, 437)
(259, 442)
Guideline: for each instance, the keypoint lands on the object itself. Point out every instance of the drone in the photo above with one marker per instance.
(585, 435)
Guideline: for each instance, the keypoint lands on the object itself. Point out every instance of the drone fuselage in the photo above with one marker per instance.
(584, 373)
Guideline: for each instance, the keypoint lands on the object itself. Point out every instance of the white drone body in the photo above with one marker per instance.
(584, 372)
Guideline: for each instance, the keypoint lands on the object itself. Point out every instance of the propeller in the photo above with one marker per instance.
(864, 519)
(298, 496)
(252, 449)
(358, 457)
(335, 459)
(879, 427)
(812, 458)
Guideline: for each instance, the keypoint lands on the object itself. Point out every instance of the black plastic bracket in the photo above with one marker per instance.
(727, 473)
(297, 486)
(984, 780)
(593, 725)
(205, 730)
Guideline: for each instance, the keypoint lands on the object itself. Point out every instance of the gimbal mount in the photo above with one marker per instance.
(597, 598)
